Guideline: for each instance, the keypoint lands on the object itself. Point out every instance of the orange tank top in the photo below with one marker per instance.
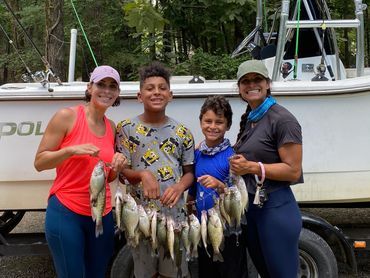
(72, 182)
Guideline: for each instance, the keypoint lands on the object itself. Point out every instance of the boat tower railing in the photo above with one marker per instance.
(286, 25)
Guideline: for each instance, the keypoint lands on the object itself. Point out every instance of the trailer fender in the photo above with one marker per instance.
(9, 220)
(334, 237)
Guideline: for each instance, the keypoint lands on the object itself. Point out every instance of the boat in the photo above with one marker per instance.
(330, 102)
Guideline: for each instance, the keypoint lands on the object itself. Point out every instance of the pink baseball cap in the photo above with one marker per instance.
(102, 72)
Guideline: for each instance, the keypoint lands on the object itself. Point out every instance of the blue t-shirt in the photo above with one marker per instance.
(214, 165)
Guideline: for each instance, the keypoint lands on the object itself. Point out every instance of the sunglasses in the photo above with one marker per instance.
(256, 79)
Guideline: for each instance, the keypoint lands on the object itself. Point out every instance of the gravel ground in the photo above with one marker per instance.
(42, 266)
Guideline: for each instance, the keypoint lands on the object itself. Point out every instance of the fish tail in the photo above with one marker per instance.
(98, 229)
(217, 257)
(194, 252)
(188, 255)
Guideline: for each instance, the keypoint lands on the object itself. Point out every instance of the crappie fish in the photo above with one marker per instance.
(215, 234)
(130, 216)
(227, 200)
(97, 196)
(240, 184)
(203, 230)
(194, 234)
(178, 249)
(171, 236)
(223, 210)
(144, 224)
(97, 213)
(153, 229)
(161, 231)
(118, 210)
(235, 207)
(185, 238)
(97, 181)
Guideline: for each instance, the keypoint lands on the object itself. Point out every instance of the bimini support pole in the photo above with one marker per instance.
(259, 20)
(360, 37)
(281, 39)
(72, 56)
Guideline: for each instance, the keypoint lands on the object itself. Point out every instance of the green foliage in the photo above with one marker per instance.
(210, 66)
(141, 15)
(192, 36)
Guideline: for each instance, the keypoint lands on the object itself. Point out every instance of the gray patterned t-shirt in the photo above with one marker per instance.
(163, 150)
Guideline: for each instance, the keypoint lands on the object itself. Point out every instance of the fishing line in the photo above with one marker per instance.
(17, 51)
(43, 59)
(84, 33)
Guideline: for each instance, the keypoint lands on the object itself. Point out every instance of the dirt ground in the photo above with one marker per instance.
(42, 266)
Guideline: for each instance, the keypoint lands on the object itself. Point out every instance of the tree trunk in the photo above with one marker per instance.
(18, 41)
(226, 45)
(54, 43)
(167, 44)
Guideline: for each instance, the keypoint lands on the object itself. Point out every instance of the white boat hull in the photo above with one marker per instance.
(335, 120)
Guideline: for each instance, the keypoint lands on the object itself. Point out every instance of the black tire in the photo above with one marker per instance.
(316, 257)
(123, 265)
(9, 220)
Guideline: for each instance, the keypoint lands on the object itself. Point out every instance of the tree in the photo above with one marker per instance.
(54, 40)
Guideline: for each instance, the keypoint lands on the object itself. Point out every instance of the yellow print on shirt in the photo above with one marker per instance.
(188, 141)
(143, 130)
(122, 124)
(181, 131)
(150, 157)
(130, 144)
(168, 146)
(166, 173)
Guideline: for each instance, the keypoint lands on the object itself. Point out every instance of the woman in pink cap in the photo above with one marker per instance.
(75, 139)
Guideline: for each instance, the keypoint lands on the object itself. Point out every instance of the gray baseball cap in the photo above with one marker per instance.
(250, 66)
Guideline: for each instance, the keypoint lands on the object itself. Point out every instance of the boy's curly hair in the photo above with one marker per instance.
(155, 69)
(220, 106)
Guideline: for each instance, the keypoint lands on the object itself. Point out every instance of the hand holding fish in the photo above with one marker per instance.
(150, 185)
(239, 165)
(119, 162)
(171, 195)
(210, 182)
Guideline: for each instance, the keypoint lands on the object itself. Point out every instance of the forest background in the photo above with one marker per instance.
(192, 37)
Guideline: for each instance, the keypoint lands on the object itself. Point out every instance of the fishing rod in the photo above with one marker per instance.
(49, 70)
(25, 78)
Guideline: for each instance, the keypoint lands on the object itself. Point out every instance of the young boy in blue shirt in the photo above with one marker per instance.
(212, 174)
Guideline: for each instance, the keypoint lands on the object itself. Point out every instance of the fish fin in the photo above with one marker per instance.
(194, 252)
(207, 252)
(217, 257)
(93, 214)
(98, 229)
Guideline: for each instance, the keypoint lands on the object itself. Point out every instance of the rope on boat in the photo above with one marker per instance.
(265, 14)
(84, 33)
